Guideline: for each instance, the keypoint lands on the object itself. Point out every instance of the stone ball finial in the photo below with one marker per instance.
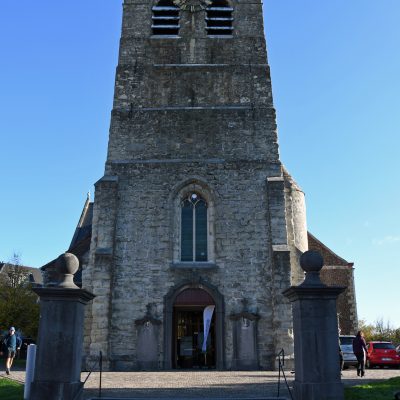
(312, 263)
(67, 265)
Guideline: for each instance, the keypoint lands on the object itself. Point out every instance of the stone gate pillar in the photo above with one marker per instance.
(316, 342)
(60, 337)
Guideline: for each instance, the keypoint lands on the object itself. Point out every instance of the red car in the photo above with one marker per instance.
(381, 354)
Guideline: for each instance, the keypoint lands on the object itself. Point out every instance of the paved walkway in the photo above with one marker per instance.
(185, 385)
(191, 384)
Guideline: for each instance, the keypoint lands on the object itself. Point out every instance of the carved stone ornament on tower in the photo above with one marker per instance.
(192, 5)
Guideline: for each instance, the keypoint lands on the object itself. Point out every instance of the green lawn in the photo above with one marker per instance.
(374, 391)
(10, 390)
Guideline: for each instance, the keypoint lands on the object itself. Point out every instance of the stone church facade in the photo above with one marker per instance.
(193, 202)
(195, 208)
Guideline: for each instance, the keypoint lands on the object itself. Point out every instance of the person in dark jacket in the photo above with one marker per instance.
(11, 344)
(360, 351)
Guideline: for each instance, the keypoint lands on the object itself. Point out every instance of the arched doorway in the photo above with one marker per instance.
(183, 328)
(188, 331)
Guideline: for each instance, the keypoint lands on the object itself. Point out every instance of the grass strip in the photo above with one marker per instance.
(374, 391)
(11, 390)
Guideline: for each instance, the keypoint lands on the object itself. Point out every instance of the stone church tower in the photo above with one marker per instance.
(195, 208)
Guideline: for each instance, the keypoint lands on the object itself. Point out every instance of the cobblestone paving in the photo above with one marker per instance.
(191, 384)
(200, 384)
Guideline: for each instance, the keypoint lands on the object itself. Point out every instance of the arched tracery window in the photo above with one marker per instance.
(165, 19)
(219, 18)
(194, 228)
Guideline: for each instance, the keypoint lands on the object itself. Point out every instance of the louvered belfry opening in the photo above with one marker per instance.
(165, 20)
(219, 18)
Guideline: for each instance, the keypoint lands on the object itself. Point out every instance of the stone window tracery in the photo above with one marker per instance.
(194, 227)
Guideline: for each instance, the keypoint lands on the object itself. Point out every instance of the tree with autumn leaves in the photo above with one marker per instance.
(19, 305)
(381, 330)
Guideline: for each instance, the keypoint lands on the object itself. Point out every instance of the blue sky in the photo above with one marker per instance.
(335, 74)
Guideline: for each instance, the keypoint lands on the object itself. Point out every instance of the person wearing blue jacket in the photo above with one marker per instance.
(11, 344)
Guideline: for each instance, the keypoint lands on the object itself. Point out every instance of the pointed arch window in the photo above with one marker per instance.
(219, 18)
(165, 19)
(194, 227)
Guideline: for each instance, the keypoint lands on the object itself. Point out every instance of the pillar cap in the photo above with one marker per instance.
(312, 263)
(64, 294)
(67, 265)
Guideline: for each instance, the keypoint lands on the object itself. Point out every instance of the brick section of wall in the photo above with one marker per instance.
(330, 258)
(339, 272)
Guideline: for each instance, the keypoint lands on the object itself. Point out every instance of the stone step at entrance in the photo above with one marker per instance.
(189, 398)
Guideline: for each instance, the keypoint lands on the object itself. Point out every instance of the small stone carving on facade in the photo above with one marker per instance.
(245, 338)
(245, 323)
(148, 331)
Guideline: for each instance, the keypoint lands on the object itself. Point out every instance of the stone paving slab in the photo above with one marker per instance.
(210, 385)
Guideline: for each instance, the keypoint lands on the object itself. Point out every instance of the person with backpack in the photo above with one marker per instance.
(11, 344)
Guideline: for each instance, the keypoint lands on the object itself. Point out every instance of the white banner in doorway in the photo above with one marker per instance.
(207, 317)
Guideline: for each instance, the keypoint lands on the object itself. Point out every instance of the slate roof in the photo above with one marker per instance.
(80, 243)
(84, 227)
(34, 274)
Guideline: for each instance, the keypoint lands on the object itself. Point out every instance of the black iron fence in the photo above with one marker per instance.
(281, 362)
(95, 363)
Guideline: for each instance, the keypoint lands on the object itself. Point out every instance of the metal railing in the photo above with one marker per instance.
(100, 364)
(281, 361)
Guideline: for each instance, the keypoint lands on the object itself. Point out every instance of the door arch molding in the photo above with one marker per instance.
(169, 300)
